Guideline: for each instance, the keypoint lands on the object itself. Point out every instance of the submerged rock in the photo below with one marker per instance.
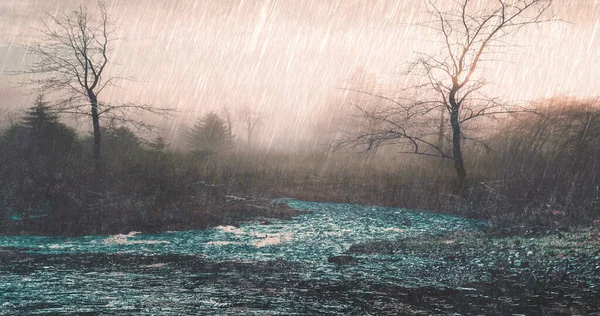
(341, 259)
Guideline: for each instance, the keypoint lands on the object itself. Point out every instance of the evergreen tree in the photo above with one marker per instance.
(158, 145)
(36, 154)
(209, 134)
(122, 137)
(41, 132)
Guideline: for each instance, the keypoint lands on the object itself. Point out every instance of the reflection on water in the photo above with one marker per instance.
(226, 269)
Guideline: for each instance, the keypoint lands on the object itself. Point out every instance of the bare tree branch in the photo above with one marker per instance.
(72, 55)
(467, 32)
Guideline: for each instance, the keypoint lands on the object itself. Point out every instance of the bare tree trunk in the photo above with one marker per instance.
(459, 165)
(441, 129)
(229, 123)
(96, 126)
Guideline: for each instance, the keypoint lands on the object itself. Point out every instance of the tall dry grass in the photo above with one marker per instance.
(542, 169)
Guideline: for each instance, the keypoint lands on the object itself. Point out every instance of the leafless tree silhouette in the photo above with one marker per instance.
(251, 120)
(417, 120)
(73, 53)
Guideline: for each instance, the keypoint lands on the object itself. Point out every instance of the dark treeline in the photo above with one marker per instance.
(540, 168)
(48, 183)
(440, 145)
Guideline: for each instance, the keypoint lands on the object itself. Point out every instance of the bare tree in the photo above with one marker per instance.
(416, 121)
(73, 53)
(229, 122)
(7, 118)
(251, 120)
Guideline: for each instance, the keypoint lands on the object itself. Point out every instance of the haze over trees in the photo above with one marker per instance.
(449, 94)
(435, 116)
(251, 120)
(210, 134)
(73, 53)
(447, 199)
(35, 151)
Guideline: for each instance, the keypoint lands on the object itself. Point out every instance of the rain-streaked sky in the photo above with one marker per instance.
(286, 57)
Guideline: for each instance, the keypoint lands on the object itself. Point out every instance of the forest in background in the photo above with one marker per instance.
(441, 144)
(538, 169)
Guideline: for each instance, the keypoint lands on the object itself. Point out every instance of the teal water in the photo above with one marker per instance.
(263, 264)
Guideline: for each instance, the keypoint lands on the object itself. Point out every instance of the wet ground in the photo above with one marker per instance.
(401, 262)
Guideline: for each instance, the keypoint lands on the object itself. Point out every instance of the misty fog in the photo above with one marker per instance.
(288, 59)
(300, 157)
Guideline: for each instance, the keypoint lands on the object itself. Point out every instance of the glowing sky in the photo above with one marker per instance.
(285, 57)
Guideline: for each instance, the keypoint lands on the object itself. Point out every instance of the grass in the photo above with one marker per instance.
(541, 170)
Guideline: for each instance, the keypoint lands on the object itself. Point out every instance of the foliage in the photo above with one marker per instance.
(72, 55)
(542, 170)
(122, 137)
(210, 134)
(41, 131)
(158, 144)
(35, 154)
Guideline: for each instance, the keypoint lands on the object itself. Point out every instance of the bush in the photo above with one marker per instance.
(546, 164)
(37, 154)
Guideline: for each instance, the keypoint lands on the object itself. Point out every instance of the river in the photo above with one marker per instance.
(277, 267)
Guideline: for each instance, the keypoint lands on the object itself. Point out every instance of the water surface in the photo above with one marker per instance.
(277, 266)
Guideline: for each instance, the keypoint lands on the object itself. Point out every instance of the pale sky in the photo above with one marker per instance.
(286, 57)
